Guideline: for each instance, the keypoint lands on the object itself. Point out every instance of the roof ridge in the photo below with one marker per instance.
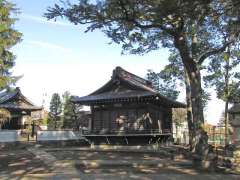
(121, 73)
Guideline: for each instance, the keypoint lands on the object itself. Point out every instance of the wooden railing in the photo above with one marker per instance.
(115, 131)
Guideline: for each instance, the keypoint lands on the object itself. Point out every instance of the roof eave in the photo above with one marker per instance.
(168, 102)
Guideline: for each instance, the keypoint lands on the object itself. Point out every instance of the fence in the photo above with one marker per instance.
(216, 135)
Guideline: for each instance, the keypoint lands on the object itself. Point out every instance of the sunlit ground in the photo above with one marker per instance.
(82, 164)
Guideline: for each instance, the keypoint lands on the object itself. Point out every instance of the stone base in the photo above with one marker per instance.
(236, 157)
(208, 164)
(63, 143)
(150, 148)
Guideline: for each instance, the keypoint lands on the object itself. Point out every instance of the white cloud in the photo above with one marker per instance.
(48, 45)
(44, 20)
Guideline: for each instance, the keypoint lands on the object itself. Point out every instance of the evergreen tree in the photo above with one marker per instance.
(224, 76)
(163, 85)
(72, 115)
(55, 112)
(8, 38)
(66, 97)
(68, 109)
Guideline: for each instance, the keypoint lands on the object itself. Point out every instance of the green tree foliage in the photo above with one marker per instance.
(67, 111)
(8, 38)
(225, 77)
(163, 85)
(71, 113)
(55, 112)
(223, 74)
(193, 28)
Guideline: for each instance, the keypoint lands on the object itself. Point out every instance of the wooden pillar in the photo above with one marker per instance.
(91, 123)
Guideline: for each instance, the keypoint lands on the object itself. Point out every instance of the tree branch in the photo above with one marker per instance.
(130, 18)
(209, 53)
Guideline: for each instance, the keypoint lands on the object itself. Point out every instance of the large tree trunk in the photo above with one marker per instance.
(189, 110)
(200, 138)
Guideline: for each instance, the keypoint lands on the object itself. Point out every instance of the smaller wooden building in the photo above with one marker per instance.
(18, 106)
(128, 106)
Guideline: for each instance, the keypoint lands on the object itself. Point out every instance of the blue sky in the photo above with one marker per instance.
(58, 56)
(67, 38)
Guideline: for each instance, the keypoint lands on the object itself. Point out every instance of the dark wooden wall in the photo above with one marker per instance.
(12, 124)
(130, 118)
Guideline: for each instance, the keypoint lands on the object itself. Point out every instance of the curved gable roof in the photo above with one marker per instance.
(137, 88)
(119, 74)
(7, 100)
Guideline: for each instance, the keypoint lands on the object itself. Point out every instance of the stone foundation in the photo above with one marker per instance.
(236, 156)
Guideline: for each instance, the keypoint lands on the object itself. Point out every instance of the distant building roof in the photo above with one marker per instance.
(235, 108)
(15, 100)
(125, 86)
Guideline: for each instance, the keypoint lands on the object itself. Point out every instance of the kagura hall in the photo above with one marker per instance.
(128, 110)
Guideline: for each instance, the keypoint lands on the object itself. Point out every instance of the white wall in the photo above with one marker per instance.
(58, 135)
(180, 134)
(10, 135)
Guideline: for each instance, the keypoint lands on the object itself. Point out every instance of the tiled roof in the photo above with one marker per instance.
(113, 95)
(135, 80)
(139, 88)
(7, 101)
(22, 107)
(5, 96)
(119, 74)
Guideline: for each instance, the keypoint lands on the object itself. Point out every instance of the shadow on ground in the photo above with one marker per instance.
(18, 163)
(99, 165)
